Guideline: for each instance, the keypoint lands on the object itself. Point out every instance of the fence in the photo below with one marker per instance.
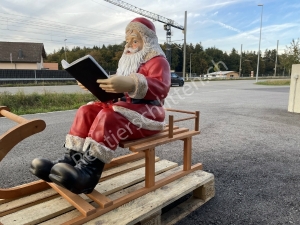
(8, 76)
(27, 76)
(199, 78)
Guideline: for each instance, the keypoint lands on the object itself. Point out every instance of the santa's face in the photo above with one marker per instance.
(134, 42)
(133, 55)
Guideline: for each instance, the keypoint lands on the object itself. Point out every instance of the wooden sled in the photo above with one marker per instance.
(97, 203)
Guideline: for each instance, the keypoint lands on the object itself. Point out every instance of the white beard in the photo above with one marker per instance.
(130, 63)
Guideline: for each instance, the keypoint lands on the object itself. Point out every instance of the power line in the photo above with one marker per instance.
(54, 28)
(60, 34)
(58, 26)
(24, 39)
(52, 40)
(48, 32)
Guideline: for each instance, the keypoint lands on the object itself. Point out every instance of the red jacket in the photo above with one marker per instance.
(153, 82)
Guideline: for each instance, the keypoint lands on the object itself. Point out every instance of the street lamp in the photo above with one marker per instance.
(65, 50)
(191, 65)
(262, 6)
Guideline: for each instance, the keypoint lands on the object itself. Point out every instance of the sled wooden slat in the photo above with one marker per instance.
(122, 168)
(85, 208)
(121, 160)
(155, 143)
(100, 199)
(171, 126)
(4, 111)
(165, 133)
(150, 168)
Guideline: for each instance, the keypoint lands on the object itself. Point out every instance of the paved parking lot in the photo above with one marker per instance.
(248, 140)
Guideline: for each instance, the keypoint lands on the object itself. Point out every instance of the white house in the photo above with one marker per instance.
(221, 75)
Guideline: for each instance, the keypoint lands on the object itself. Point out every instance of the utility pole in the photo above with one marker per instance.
(262, 7)
(191, 65)
(167, 28)
(276, 59)
(240, 61)
(184, 48)
(65, 50)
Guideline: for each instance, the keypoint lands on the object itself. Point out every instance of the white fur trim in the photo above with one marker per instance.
(141, 28)
(141, 86)
(74, 142)
(98, 150)
(138, 119)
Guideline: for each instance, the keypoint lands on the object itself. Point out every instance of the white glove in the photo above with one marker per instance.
(117, 84)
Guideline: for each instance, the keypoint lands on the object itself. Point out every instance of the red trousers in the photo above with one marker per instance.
(105, 126)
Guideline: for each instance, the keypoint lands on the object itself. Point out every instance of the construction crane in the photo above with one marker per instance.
(168, 23)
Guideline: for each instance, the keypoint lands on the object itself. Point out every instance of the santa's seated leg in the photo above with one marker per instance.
(107, 130)
(98, 149)
(84, 118)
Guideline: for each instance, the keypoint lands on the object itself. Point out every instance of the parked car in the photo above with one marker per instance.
(176, 79)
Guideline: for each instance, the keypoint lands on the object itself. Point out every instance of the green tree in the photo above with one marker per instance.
(291, 56)
(294, 50)
(233, 63)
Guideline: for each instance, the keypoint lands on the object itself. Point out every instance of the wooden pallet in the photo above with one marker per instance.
(47, 207)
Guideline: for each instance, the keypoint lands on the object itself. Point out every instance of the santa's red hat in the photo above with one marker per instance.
(143, 26)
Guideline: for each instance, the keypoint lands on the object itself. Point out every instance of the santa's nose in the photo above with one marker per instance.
(129, 44)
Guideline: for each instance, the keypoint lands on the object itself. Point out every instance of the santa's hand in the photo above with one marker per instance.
(81, 86)
(117, 84)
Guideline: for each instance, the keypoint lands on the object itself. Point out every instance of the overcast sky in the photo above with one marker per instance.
(220, 23)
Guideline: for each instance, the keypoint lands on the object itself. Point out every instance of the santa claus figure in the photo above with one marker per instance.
(143, 75)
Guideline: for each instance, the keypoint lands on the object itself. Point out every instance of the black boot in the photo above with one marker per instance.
(81, 178)
(42, 167)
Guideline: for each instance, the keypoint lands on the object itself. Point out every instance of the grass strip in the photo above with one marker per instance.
(21, 103)
(39, 83)
(274, 82)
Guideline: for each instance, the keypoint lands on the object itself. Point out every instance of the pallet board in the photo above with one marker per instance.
(56, 210)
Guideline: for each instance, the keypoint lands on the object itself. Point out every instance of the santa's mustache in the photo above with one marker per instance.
(131, 50)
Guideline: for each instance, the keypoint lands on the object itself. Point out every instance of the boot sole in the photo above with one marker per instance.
(37, 174)
(59, 181)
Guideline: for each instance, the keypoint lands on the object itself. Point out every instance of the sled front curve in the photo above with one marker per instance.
(12, 137)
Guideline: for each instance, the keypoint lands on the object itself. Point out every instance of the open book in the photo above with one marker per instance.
(86, 70)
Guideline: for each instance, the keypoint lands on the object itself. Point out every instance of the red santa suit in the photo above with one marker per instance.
(99, 127)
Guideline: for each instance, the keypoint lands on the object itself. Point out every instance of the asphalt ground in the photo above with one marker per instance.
(248, 140)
